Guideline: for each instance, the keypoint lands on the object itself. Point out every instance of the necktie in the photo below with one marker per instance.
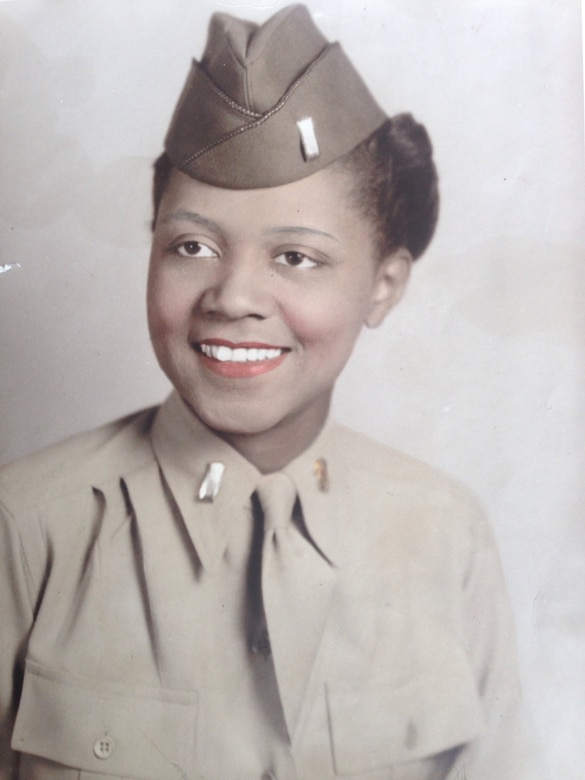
(296, 589)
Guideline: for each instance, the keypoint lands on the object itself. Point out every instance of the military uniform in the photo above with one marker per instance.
(125, 608)
(136, 637)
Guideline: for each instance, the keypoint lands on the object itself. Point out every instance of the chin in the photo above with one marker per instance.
(233, 421)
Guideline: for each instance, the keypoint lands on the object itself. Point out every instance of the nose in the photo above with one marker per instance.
(238, 289)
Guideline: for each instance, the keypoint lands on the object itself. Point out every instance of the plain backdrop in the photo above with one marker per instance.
(479, 371)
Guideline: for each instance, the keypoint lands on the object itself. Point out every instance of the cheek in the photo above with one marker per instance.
(327, 325)
(168, 304)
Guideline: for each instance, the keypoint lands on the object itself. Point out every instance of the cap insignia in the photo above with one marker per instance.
(308, 139)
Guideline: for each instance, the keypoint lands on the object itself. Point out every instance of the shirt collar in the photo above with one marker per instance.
(323, 490)
(184, 447)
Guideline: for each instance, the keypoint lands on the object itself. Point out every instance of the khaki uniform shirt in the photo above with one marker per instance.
(125, 601)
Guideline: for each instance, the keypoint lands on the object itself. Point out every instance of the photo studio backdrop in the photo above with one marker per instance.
(479, 371)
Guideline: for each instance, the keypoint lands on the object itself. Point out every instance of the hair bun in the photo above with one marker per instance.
(415, 180)
(397, 184)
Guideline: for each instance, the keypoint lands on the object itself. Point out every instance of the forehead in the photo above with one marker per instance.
(322, 199)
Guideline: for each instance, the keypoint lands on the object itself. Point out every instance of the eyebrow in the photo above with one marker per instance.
(198, 219)
(190, 216)
(302, 230)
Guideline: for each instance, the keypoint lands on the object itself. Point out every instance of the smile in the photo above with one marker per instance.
(239, 354)
(239, 361)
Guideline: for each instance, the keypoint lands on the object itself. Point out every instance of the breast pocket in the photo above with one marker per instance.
(398, 732)
(85, 729)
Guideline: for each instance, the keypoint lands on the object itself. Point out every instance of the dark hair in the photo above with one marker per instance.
(396, 184)
(163, 167)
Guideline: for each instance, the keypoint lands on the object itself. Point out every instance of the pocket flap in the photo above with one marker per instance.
(104, 728)
(379, 726)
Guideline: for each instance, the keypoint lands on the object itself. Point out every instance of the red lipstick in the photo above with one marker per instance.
(242, 360)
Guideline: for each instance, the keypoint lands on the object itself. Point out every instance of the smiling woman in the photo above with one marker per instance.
(230, 585)
(228, 268)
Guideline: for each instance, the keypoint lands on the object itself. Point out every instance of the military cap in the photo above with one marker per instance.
(268, 104)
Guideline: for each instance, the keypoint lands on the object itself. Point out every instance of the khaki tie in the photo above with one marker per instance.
(293, 572)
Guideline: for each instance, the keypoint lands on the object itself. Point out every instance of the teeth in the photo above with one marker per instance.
(240, 354)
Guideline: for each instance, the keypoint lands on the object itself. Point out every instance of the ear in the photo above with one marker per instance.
(390, 283)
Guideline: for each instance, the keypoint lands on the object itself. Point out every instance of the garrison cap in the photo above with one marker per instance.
(268, 104)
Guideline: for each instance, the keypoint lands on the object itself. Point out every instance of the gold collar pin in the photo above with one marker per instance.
(321, 472)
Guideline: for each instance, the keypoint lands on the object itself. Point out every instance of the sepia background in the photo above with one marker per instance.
(480, 371)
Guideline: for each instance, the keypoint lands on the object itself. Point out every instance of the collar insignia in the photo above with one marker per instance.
(321, 472)
(211, 482)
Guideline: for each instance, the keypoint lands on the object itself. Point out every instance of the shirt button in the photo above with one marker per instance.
(103, 747)
(261, 646)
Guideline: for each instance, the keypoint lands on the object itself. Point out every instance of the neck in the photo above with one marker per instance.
(275, 448)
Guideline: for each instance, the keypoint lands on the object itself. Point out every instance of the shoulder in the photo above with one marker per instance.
(367, 458)
(85, 459)
(399, 485)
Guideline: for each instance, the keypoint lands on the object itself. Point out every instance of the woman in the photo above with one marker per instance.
(229, 586)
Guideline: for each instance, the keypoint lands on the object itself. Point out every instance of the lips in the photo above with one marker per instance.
(239, 361)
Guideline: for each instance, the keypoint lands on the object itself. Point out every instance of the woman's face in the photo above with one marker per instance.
(256, 297)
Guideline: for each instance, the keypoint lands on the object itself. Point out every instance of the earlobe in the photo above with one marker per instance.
(391, 280)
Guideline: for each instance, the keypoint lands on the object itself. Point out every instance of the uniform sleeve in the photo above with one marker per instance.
(508, 749)
(16, 609)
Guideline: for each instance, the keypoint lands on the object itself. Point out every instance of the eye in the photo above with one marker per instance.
(194, 249)
(293, 259)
